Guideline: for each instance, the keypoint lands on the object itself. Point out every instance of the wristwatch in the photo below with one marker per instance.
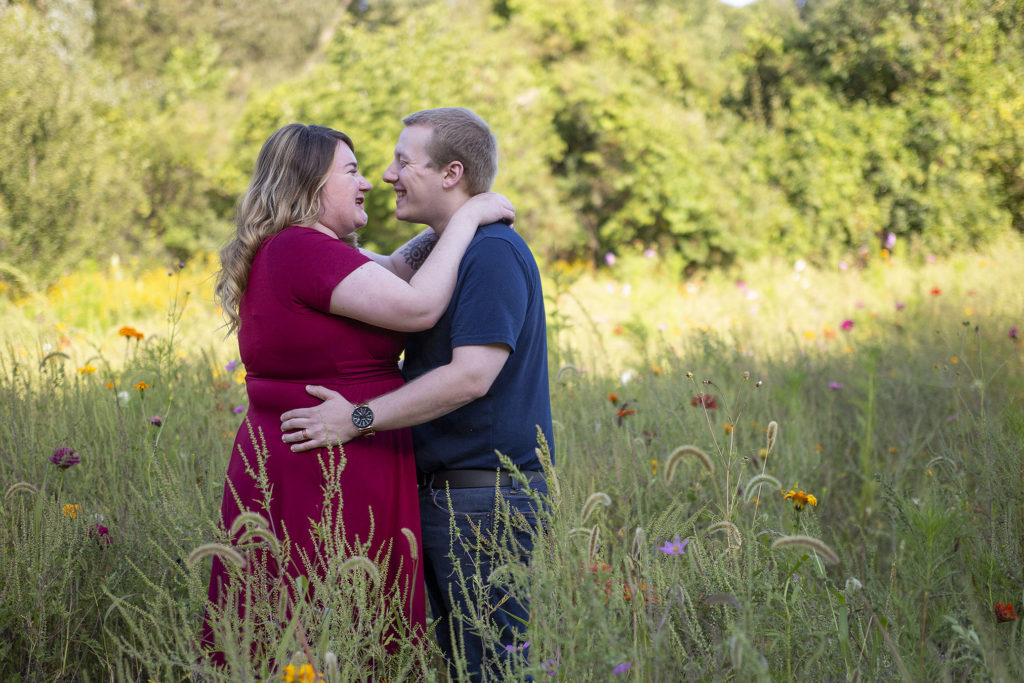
(362, 418)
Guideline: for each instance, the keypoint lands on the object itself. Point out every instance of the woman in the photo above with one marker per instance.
(310, 308)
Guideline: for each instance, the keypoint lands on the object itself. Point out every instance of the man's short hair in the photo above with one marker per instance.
(460, 135)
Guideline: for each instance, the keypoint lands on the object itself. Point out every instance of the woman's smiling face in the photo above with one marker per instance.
(341, 199)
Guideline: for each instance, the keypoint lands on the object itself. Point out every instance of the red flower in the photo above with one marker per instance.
(1004, 612)
(625, 412)
(614, 398)
(936, 291)
(706, 400)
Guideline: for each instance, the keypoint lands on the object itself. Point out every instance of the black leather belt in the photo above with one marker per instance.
(471, 479)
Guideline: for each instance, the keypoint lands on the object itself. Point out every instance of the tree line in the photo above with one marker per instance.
(706, 132)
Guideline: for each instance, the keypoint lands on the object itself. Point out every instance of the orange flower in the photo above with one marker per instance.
(800, 499)
(614, 398)
(127, 331)
(142, 386)
(1004, 612)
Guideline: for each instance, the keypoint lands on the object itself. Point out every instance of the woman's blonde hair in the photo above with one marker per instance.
(291, 171)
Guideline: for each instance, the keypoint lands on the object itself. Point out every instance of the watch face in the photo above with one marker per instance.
(362, 417)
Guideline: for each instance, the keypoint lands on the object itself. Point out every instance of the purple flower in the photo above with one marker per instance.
(900, 305)
(650, 253)
(237, 409)
(517, 648)
(609, 258)
(846, 325)
(675, 546)
(890, 240)
(100, 533)
(835, 385)
(230, 367)
(622, 669)
(550, 667)
(156, 420)
(1014, 333)
(65, 457)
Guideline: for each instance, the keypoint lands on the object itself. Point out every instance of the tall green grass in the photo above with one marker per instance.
(906, 427)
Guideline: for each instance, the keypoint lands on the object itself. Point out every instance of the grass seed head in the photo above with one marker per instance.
(729, 528)
(752, 486)
(676, 457)
(593, 500)
(809, 542)
(414, 549)
(772, 433)
(360, 563)
(21, 486)
(594, 544)
(253, 518)
(260, 534)
(225, 552)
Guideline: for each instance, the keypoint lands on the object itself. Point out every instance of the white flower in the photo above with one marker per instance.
(123, 397)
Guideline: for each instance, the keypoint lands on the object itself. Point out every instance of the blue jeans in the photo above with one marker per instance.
(466, 546)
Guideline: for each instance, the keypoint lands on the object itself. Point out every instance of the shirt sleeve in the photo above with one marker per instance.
(309, 265)
(489, 305)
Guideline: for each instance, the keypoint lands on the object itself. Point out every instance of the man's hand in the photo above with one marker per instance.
(308, 428)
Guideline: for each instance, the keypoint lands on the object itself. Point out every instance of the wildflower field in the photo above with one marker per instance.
(784, 472)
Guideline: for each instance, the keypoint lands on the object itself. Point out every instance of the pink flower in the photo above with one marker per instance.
(835, 385)
(846, 325)
(1014, 333)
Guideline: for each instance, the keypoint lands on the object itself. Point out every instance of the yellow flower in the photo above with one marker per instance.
(954, 360)
(71, 510)
(303, 674)
(88, 369)
(654, 467)
(800, 499)
(728, 428)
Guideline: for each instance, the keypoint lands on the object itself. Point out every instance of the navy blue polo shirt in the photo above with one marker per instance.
(497, 299)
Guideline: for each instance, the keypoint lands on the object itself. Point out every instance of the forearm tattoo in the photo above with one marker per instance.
(417, 250)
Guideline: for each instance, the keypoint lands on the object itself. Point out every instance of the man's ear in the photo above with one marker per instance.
(452, 174)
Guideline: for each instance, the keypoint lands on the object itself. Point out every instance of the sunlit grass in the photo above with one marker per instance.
(690, 414)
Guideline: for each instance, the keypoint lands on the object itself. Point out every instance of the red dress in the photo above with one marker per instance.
(287, 339)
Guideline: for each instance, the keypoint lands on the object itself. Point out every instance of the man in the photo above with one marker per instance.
(477, 384)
